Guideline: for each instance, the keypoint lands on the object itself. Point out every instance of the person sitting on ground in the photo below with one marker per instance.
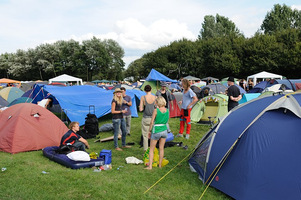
(72, 138)
(158, 130)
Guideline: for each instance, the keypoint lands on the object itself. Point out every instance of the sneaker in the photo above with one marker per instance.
(187, 136)
(179, 135)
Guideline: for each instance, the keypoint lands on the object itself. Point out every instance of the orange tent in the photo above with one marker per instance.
(27, 127)
(6, 80)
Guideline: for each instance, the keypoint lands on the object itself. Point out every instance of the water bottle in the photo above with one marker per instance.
(107, 167)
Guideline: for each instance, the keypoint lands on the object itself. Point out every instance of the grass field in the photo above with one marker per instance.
(24, 179)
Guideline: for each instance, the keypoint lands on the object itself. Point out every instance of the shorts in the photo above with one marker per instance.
(157, 136)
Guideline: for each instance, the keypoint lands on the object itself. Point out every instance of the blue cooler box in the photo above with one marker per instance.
(106, 155)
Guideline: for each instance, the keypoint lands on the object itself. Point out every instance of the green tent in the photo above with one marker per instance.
(154, 84)
(210, 108)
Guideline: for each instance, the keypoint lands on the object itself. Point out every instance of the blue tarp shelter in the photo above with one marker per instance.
(154, 75)
(75, 100)
(251, 153)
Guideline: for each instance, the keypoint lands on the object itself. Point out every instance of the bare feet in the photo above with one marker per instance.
(118, 149)
(126, 147)
(148, 168)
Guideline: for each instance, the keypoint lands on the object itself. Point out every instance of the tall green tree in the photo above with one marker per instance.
(116, 64)
(218, 26)
(135, 70)
(5, 64)
(97, 58)
(281, 18)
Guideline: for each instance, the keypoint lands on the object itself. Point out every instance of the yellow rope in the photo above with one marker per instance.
(216, 170)
(170, 170)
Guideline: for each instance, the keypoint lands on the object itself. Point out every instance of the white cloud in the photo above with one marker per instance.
(138, 26)
(298, 7)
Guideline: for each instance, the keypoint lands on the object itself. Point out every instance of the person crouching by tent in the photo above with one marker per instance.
(71, 137)
(158, 130)
(189, 99)
(118, 120)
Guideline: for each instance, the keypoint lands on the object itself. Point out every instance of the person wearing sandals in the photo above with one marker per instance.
(147, 105)
(118, 120)
(158, 130)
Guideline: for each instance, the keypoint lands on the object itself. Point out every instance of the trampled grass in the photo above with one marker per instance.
(24, 179)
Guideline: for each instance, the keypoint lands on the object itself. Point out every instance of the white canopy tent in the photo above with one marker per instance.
(66, 78)
(263, 75)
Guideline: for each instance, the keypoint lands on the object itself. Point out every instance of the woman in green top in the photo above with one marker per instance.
(158, 130)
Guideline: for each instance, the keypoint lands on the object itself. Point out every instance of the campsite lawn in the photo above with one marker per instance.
(24, 179)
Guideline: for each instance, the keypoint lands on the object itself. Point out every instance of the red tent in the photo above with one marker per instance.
(27, 127)
(174, 111)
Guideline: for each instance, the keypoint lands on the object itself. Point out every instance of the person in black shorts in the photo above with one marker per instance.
(233, 94)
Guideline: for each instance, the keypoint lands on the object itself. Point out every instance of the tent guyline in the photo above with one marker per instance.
(173, 168)
(216, 170)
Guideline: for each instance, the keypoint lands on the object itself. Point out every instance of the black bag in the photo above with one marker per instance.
(185, 112)
(91, 124)
(65, 149)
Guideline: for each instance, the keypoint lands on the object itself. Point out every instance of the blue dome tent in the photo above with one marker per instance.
(251, 153)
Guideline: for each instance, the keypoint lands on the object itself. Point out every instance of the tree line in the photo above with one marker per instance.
(92, 59)
(220, 50)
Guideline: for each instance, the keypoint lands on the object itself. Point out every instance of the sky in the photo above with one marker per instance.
(139, 26)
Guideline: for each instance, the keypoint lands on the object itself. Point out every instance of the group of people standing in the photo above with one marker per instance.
(155, 118)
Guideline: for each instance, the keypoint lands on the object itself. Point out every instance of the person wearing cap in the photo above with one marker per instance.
(118, 120)
(233, 94)
(165, 94)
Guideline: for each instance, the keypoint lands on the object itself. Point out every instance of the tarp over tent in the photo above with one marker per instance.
(251, 153)
(27, 127)
(75, 100)
(66, 78)
(263, 75)
(154, 75)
